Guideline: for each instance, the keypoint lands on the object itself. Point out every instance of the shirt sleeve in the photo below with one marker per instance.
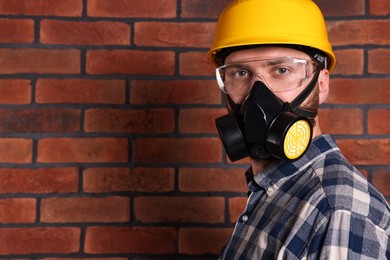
(349, 236)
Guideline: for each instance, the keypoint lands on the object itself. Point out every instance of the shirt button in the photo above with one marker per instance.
(244, 218)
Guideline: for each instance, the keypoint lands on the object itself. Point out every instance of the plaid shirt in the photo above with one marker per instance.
(319, 207)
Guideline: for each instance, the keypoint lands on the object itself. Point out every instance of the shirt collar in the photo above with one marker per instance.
(271, 178)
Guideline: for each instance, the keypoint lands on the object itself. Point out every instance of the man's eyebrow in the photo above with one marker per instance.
(275, 62)
(238, 65)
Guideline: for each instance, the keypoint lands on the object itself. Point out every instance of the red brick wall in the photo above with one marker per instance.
(107, 141)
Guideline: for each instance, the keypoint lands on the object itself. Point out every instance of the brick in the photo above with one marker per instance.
(132, 8)
(379, 61)
(179, 209)
(341, 121)
(212, 180)
(349, 62)
(17, 210)
(379, 7)
(381, 179)
(97, 180)
(15, 150)
(42, 7)
(155, 240)
(341, 7)
(198, 241)
(84, 33)
(41, 180)
(175, 92)
(199, 120)
(169, 34)
(103, 62)
(130, 121)
(80, 91)
(15, 91)
(39, 61)
(202, 8)
(48, 240)
(378, 121)
(366, 151)
(16, 31)
(359, 32)
(359, 91)
(177, 150)
(236, 207)
(88, 150)
(195, 64)
(363, 172)
(85, 209)
(35, 120)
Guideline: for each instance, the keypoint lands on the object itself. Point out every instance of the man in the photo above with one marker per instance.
(306, 201)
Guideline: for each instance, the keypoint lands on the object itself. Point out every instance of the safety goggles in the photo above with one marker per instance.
(278, 74)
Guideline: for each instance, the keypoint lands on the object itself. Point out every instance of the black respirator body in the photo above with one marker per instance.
(263, 126)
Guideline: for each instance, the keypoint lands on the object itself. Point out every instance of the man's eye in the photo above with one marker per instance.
(241, 73)
(282, 71)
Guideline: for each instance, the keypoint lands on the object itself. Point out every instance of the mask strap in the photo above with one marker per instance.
(294, 105)
(232, 107)
(306, 112)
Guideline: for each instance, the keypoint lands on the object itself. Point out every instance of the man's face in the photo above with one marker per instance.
(263, 64)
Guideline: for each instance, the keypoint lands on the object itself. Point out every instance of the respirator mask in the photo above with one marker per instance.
(263, 126)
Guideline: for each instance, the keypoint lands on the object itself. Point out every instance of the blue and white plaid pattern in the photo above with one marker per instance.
(319, 207)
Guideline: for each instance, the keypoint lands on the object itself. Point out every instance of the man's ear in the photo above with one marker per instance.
(323, 83)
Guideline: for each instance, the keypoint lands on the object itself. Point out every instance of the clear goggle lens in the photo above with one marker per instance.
(278, 74)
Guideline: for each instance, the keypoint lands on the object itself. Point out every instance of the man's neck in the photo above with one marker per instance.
(259, 165)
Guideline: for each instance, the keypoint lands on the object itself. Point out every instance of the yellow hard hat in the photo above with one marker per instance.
(285, 22)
